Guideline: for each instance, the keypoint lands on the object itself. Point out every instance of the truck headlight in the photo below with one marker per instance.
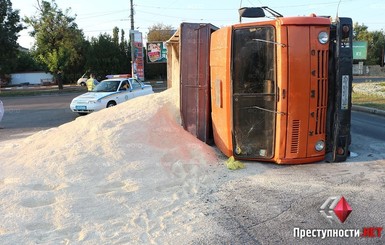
(323, 37)
(320, 145)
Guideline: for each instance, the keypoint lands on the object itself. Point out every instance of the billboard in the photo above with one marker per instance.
(360, 50)
(138, 55)
(156, 52)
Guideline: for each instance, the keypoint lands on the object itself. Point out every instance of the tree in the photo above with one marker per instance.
(25, 62)
(376, 48)
(115, 35)
(376, 43)
(107, 56)
(124, 46)
(59, 43)
(10, 26)
(360, 32)
(160, 32)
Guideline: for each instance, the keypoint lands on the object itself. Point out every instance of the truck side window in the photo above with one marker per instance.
(254, 64)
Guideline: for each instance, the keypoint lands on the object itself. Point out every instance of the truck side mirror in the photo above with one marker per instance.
(251, 13)
(256, 12)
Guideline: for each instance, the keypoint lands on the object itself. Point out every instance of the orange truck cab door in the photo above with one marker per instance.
(254, 92)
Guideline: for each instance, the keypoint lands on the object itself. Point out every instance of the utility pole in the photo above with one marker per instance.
(132, 37)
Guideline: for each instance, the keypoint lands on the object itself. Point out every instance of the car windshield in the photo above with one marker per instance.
(107, 86)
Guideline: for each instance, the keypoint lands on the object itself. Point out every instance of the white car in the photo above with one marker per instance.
(109, 92)
(83, 80)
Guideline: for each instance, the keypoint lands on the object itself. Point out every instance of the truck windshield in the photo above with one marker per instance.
(107, 86)
(254, 87)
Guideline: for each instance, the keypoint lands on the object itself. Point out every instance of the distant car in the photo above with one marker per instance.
(83, 80)
(108, 93)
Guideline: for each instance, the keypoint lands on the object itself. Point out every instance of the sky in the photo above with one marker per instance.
(97, 16)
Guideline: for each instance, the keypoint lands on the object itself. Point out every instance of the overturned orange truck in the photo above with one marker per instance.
(272, 90)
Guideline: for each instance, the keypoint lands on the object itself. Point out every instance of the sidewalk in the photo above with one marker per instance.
(368, 110)
(36, 87)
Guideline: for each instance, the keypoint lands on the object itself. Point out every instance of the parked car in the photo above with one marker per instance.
(83, 80)
(108, 93)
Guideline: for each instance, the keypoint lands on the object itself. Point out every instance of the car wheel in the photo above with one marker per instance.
(83, 84)
(111, 104)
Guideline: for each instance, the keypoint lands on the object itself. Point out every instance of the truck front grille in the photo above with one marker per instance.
(321, 94)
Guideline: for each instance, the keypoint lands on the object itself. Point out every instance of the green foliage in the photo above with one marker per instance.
(156, 71)
(115, 35)
(59, 43)
(368, 100)
(10, 26)
(60, 47)
(160, 32)
(107, 56)
(376, 43)
(25, 62)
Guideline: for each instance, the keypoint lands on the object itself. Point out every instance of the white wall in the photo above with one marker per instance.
(31, 78)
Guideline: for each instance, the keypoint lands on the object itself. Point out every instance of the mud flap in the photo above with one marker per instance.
(338, 137)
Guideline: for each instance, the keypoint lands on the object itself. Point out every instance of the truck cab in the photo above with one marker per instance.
(279, 88)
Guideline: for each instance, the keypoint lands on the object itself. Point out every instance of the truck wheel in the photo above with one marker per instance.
(111, 104)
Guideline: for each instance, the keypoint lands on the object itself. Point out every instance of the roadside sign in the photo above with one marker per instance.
(360, 50)
(156, 52)
(138, 55)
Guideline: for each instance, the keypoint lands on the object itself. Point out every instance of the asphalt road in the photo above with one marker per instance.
(358, 79)
(369, 125)
(25, 115)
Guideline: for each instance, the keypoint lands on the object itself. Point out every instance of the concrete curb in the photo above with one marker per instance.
(368, 110)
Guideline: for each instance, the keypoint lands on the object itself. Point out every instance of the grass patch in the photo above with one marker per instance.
(382, 85)
(368, 100)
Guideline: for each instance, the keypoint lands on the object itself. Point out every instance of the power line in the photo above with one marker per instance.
(312, 4)
(189, 9)
(232, 9)
(97, 15)
(178, 17)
